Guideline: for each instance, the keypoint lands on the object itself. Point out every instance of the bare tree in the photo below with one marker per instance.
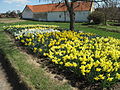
(110, 10)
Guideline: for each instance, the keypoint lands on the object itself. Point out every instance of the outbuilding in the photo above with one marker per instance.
(57, 12)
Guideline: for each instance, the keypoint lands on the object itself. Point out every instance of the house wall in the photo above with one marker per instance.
(80, 16)
(56, 16)
(27, 13)
(40, 16)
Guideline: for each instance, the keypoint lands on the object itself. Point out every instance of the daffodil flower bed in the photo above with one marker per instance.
(94, 57)
(17, 30)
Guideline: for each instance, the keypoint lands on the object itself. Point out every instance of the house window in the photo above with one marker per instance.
(60, 16)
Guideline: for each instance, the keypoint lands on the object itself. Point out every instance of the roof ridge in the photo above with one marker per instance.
(84, 6)
(45, 4)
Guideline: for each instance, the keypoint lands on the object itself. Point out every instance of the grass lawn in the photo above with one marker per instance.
(108, 28)
(117, 28)
(34, 77)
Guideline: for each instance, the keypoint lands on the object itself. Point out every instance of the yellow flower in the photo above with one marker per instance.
(82, 67)
(45, 54)
(27, 39)
(96, 63)
(30, 40)
(110, 79)
(39, 40)
(16, 37)
(109, 70)
(22, 41)
(101, 76)
(29, 43)
(118, 76)
(53, 60)
(35, 49)
(108, 75)
(98, 69)
(26, 44)
(33, 44)
(83, 62)
(61, 63)
(56, 62)
(68, 64)
(96, 78)
(89, 66)
(21, 36)
(74, 64)
(83, 72)
(87, 71)
(40, 50)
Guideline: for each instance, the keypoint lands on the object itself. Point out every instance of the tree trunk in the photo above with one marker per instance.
(70, 8)
(72, 21)
(72, 17)
(105, 19)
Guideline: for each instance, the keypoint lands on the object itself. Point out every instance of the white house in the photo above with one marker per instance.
(57, 12)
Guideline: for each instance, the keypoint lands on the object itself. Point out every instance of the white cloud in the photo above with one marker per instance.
(16, 1)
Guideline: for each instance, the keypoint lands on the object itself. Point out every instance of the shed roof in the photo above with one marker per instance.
(79, 6)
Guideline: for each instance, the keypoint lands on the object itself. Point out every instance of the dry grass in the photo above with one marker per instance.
(10, 20)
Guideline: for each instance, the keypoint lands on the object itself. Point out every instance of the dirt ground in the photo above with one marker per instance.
(10, 20)
(4, 84)
(8, 79)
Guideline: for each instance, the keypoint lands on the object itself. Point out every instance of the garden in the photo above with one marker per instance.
(92, 57)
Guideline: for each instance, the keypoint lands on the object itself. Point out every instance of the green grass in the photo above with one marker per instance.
(108, 28)
(117, 28)
(78, 26)
(35, 77)
(100, 32)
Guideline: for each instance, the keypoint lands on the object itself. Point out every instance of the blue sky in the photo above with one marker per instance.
(6, 5)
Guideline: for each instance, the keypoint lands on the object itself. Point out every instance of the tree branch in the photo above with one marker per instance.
(67, 4)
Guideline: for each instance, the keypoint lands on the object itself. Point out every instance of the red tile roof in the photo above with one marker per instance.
(79, 6)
